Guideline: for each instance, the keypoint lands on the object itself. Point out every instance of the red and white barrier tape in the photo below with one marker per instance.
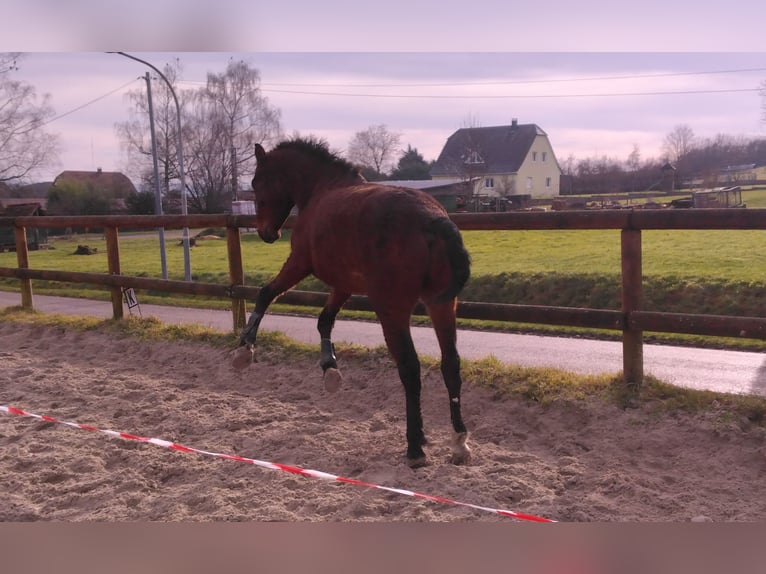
(273, 465)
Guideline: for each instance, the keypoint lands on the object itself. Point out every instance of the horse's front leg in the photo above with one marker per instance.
(331, 375)
(288, 277)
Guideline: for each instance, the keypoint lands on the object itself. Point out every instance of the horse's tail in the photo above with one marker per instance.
(457, 256)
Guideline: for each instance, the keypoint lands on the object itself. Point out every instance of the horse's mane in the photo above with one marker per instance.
(319, 149)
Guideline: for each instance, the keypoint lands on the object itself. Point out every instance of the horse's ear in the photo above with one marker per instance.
(260, 153)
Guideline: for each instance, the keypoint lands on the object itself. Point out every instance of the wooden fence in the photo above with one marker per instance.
(630, 319)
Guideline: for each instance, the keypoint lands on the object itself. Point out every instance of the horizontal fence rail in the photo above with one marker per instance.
(747, 218)
(630, 319)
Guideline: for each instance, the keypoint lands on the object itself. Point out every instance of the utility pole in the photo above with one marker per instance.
(181, 174)
(157, 192)
(234, 178)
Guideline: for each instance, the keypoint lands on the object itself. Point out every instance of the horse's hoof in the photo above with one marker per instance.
(461, 454)
(459, 458)
(417, 462)
(332, 380)
(242, 357)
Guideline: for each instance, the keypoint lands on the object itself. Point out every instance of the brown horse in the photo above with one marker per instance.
(395, 245)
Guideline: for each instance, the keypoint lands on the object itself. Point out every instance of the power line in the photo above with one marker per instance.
(509, 96)
(86, 104)
(513, 82)
(486, 83)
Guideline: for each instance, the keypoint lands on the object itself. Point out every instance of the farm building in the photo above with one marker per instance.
(718, 197)
(451, 193)
(510, 160)
(118, 184)
(21, 208)
(738, 174)
(112, 184)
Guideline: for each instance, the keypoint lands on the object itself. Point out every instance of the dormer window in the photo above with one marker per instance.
(474, 157)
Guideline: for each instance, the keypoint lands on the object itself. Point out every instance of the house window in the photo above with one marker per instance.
(489, 182)
(534, 156)
(474, 157)
(548, 182)
(529, 184)
(545, 155)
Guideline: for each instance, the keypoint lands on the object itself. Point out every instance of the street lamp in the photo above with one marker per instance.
(181, 175)
(157, 192)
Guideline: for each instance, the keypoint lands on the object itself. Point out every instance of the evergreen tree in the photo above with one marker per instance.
(411, 166)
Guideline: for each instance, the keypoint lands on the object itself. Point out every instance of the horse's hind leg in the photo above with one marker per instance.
(399, 342)
(443, 319)
(331, 375)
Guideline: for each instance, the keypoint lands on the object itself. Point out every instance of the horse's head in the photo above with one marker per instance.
(273, 200)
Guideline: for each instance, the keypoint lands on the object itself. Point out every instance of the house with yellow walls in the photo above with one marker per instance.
(503, 161)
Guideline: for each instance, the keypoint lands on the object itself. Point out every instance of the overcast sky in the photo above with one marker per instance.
(334, 75)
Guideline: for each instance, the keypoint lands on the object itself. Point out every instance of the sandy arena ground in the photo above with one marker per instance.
(575, 462)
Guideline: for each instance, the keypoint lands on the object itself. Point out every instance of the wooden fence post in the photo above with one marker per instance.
(236, 275)
(113, 258)
(22, 257)
(632, 339)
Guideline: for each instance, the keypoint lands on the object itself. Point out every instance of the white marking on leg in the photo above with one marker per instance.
(461, 454)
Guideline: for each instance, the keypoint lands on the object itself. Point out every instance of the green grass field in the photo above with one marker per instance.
(730, 255)
(713, 272)
(736, 255)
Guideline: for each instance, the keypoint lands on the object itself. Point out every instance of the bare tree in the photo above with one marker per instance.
(600, 174)
(227, 117)
(374, 147)
(633, 163)
(245, 116)
(8, 61)
(134, 132)
(208, 162)
(505, 186)
(763, 101)
(464, 156)
(568, 166)
(678, 143)
(221, 123)
(634, 158)
(25, 147)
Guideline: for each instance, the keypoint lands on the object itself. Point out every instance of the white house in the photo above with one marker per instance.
(511, 160)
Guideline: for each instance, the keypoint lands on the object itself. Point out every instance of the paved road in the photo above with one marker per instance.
(725, 371)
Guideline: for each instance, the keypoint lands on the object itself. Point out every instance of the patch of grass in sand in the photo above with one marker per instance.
(668, 398)
(543, 386)
(535, 384)
(152, 329)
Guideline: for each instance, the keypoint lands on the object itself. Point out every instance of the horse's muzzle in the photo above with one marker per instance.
(268, 235)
